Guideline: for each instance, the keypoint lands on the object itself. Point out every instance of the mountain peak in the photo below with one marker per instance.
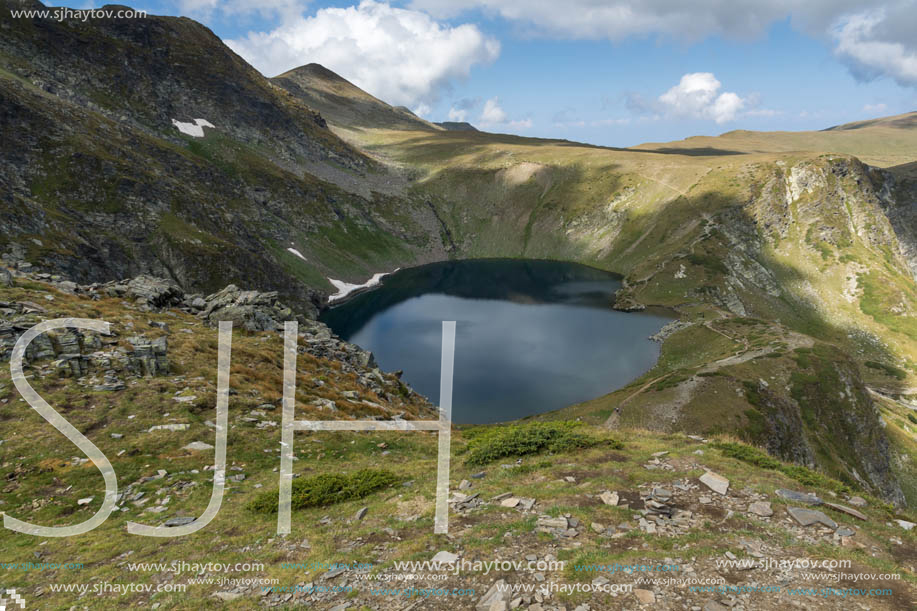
(345, 104)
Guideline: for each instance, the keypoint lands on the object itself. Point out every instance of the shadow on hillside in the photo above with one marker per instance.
(907, 171)
(705, 151)
(444, 144)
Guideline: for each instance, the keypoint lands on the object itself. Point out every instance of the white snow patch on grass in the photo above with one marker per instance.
(297, 253)
(345, 288)
(195, 129)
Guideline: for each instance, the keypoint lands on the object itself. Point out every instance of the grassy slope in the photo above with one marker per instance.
(688, 229)
(884, 142)
(42, 485)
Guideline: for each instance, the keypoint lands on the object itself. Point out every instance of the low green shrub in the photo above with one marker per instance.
(889, 370)
(525, 439)
(327, 489)
(763, 460)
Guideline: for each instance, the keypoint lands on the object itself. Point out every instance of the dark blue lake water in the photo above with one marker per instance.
(531, 336)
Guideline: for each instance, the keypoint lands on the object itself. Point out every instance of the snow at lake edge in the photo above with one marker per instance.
(345, 288)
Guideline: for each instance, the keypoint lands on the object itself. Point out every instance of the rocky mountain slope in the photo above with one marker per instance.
(343, 104)
(101, 182)
(576, 505)
(789, 258)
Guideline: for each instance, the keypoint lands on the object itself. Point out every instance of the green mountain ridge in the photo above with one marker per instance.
(763, 243)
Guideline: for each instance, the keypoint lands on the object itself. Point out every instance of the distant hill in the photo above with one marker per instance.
(905, 121)
(344, 104)
(884, 142)
(458, 126)
(147, 146)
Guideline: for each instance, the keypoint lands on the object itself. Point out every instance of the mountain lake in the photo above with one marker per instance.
(531, 336)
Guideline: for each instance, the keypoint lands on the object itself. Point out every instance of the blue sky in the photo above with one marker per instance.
(610, 72)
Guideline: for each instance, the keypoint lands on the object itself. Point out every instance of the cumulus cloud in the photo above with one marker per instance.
(462, 108)
(873, 38)
(697, 96)
(619, 19)
(457, 114)
(401, 56)
(493, 112)
(870, 45)
(422, 110)
(493, 115)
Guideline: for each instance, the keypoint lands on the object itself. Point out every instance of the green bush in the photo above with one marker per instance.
(889, 370)
(525, 439)
(327, 489)
(761, 459)
(912, 418)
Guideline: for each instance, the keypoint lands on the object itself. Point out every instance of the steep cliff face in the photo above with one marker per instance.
(898, 198)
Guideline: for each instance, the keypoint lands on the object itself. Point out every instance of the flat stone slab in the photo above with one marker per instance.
(198, 446)
(715, 482)
(645, 597)
(444, 557)
(798, 497)
(808, 517)
(497, 597)
(168, 427)
(609, 498)
(857, 501)
(848, 510)
(905, 524)
(845, 532)
(549, 522)
(761, 508)
(172, 522)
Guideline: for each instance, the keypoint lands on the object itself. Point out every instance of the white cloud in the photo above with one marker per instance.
(696, 96)
(401, 56)
(457, 114)
(493, 113)
(620, 19)
(422, 110)
(873, 37)
(868, 44)
(880, 107)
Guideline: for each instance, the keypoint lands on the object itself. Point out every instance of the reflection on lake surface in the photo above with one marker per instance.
(531, 336)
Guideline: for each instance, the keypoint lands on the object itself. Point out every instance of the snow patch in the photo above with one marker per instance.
(195, 129)
(297, 253)
(345, 288)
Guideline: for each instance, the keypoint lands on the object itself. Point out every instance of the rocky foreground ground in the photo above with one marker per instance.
(743, 533)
